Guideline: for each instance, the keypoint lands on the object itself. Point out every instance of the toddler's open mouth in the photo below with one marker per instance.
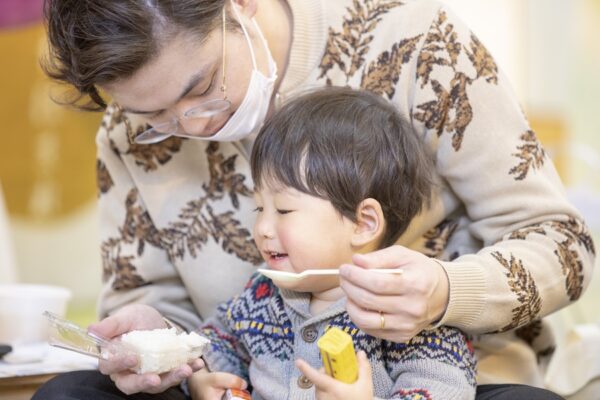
(275, 259)
(276, 256)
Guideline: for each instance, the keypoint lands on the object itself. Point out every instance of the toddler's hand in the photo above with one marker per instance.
(328, 388)
(206, 385)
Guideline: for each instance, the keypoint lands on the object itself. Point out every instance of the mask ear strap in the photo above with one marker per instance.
(237, 14)
(272, 65)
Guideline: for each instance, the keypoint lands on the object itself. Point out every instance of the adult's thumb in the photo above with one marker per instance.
(109, 327)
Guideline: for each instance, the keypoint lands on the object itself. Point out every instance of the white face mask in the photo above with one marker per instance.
(250, 115)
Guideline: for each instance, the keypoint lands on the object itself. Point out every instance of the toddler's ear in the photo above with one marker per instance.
(370, 224)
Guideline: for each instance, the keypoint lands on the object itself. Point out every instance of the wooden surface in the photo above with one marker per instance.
(21, 388)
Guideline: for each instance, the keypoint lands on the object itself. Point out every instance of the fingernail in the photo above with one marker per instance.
(182, 375)
(150, 381)
(244, 385)
(131, 361)
(344, 270)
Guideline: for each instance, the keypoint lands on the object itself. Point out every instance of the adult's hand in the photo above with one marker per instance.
(408, 302)
(118, 367)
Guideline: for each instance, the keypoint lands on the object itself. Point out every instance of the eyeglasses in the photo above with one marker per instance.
(204, 109)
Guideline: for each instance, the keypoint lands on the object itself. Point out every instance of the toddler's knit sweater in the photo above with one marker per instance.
(260, 333)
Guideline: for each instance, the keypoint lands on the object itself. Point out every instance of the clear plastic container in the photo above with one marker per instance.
(70, 336)
(171, 353)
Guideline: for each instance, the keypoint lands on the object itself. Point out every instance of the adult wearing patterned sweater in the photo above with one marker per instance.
(176, 214)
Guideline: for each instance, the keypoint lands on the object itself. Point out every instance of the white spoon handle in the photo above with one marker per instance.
(292, 276)
(309, 272)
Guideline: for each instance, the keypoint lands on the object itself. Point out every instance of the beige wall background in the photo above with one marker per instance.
(549, 49)
(47, 174)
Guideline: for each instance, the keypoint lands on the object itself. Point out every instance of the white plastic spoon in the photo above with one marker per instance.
(285, 276)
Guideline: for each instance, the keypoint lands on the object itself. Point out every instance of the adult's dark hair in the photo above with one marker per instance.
(96, 42)
(345, 146)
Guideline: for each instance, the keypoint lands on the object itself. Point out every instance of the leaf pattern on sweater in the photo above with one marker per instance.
(538, 337)
(346, 49)
(530, 332)
(197, 222)
(531, 153)
(126, 276)
(463, 112)
(103, 178)
(521, 283)
(115, 116)
(223, 177)
(137, 227)
(437, 238)
(441, 48)
(147, 156)
(524, 232)
(434, 113)
(381, 76)
(150, 156)
(574, 233)
(482, 61)
(450, 111)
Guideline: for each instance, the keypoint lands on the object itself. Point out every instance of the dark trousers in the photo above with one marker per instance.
(92, 385)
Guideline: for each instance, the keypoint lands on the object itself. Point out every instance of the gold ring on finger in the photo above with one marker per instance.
(382, 319)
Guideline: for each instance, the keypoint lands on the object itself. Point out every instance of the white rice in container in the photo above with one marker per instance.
(161, 350)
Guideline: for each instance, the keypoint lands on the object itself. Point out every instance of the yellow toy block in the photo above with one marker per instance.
(339, 358)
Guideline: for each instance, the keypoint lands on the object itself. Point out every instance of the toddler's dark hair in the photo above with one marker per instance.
(345, 145)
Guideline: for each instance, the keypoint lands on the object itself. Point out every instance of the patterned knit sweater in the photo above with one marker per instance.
(176, 216)
(258, 335)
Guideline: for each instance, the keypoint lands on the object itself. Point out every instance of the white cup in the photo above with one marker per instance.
(21, 308)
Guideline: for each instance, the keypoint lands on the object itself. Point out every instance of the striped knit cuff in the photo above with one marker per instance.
(467, 294)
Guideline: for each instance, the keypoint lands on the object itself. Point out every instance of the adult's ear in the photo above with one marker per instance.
(247, 8)
(370, 224)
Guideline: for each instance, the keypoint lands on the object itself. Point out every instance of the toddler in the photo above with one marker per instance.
(336, 172)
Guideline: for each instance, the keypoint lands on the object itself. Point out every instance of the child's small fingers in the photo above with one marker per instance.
(364, 366)
(197, 364)
(318, 378)
(227, 381)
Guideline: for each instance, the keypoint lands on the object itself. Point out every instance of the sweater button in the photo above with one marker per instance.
(304, 382)
(309, 334)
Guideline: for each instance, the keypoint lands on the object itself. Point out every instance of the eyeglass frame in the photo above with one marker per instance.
(133, 138)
